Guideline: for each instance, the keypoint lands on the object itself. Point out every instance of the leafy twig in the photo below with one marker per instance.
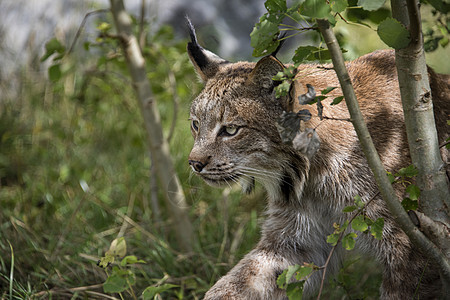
(341, 235)
(83, 23)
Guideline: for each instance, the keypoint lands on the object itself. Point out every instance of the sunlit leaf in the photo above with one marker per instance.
(348, 242)
(131, 259)
(333, 239)
(118, 247)
(282, 89)
(359, 223)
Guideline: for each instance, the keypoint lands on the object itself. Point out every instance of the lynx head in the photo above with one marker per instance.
(233, 125)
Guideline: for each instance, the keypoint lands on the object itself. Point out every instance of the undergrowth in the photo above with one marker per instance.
(75, 175)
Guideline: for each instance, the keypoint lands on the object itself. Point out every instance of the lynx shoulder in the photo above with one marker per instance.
(233, 122)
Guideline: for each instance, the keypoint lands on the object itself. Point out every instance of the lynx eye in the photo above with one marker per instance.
(231, 130)
(194, 124)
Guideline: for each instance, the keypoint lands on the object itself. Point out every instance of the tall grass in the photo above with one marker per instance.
(75, 174)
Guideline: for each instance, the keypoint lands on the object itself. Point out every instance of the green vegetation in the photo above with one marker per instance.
(75, 174)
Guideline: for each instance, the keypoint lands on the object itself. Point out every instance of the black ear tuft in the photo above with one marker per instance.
(191, 32)
(205, 62)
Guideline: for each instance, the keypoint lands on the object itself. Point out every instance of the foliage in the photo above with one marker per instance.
(74, 173)
(392, 33)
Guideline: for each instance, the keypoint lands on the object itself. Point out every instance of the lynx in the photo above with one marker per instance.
(233, 122)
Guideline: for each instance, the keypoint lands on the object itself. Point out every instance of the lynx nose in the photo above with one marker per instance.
(197, 165)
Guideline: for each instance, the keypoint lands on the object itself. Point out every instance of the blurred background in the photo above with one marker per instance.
(75, 172)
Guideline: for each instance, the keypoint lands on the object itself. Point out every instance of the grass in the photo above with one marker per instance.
(75, 174)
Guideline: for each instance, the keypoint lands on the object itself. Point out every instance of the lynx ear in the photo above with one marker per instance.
(205, 62)
(266, 68)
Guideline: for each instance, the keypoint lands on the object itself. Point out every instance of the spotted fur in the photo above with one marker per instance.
(236, 140)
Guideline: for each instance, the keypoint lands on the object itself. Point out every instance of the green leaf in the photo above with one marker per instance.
(51, 47)
(105, 261)
(377, 228)
(131, 259)
(302, 53)
(118, 281)
(337, 100)
(264, 37)
(393, 33)
(320, 54)
(348, 242)
(103, 26)
(279, 77)
(348, 209)
(150, 292)
(291, 270)
(294, 290)
(358, 201)
(304, 272)
(413, 191)
(282, 89)
(328, 89)
(409, 204)
(276, 9)
(333, 239)
(54, 72)
(371, 4)
(338, 6)
(359, 224)
(440, 5)
(281, 280)
(316, 9)
(409, 171)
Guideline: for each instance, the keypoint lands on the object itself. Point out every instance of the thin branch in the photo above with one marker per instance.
(165, 169)
(341, 235)
(141, 35)
(80, 29)
(386, 189)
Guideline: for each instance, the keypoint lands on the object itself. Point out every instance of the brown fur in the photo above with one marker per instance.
(306, 196)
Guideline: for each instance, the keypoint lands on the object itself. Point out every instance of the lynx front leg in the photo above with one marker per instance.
(254, 277)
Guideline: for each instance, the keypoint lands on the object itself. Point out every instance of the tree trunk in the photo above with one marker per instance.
(385, 187)
(420, 127)
(159, 147)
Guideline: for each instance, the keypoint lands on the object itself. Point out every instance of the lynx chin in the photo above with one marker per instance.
(233, 122)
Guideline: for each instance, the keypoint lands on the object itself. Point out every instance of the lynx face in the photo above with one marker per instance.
(235, 138)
